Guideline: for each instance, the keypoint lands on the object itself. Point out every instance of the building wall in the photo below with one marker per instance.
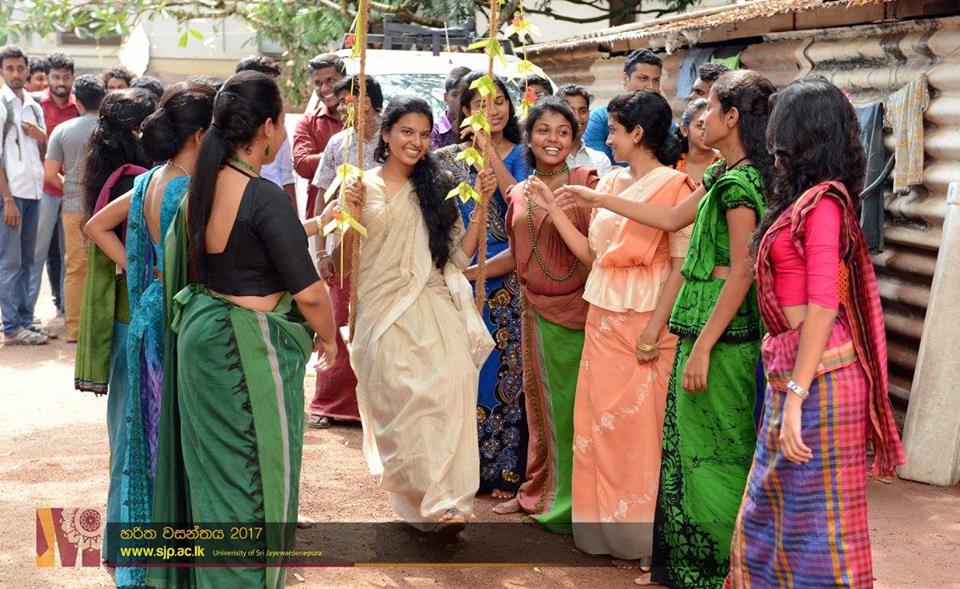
(871, 62)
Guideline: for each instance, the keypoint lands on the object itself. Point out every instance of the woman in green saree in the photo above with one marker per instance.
(231, 432)
(709, 431)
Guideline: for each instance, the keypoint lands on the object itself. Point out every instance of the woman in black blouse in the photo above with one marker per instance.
(232, 424)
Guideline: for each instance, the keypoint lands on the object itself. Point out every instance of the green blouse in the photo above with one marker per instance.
(710, 247)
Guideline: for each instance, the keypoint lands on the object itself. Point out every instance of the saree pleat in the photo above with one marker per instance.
(705, 465)
(555, 353)
(618, 424)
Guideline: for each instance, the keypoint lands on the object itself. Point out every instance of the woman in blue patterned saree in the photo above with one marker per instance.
(501, 418)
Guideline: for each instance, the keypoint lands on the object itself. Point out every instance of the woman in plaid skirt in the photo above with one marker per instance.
(803, 520)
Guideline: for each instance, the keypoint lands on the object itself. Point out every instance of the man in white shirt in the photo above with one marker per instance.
(578, 99)
(280, 170)
(22, 144)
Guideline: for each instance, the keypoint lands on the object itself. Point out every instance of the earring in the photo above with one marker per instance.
(636, 141)
(266, 152)
(386, 147)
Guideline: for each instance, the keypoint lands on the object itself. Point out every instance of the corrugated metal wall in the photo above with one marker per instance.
(871, 62)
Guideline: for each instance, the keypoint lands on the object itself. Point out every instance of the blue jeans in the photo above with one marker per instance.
(18, 245)
(49, 242)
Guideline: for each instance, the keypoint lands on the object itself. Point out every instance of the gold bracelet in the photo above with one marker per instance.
(642, 347)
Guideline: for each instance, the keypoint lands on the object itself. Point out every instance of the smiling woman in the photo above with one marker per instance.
(552, 279)
(418, 339)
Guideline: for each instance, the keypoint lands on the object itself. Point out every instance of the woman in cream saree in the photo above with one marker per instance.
(418, 339)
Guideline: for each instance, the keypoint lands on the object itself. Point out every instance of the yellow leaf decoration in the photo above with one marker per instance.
(477, 121)
(472, 157)
(491, 46)
(522, 28)
(350, 114)
(344, 222)
(348, 173)
(485, 86)
(527, 68)
(465, 192)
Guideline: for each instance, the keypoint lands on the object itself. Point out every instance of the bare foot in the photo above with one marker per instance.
(507, 507)
(498, 494)
(644, 581)
(304, 521)
(451, 524)
(628, 565)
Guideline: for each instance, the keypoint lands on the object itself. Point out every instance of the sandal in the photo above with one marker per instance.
(25, 337)
(317, 421)
(42, 331)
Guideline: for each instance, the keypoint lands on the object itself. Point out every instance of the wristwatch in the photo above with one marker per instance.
(798, 390)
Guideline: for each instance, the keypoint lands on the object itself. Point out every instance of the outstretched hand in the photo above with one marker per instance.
(574, 195)
(539, 193)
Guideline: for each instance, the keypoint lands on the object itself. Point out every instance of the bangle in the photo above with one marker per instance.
(798, 390)
(642, 347)
(318, 220)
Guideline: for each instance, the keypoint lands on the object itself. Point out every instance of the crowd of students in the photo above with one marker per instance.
(679, 357)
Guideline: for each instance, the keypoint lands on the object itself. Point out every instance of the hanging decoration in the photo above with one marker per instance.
(348, 173)
(479, 122)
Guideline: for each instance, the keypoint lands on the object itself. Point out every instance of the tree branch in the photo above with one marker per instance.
(591, 19)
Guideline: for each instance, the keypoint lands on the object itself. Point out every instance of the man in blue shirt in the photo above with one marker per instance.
(641, 71)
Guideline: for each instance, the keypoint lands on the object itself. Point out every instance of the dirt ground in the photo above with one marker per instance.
(53, 453)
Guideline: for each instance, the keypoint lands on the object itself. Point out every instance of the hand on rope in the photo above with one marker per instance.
(486, 183)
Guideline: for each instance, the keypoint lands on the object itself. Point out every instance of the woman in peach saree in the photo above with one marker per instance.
(628, 353)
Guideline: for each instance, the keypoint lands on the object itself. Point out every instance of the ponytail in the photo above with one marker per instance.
(243, 104)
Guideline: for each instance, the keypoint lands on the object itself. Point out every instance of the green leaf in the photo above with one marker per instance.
(196, 34)
(482, 43)
(184, 39)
